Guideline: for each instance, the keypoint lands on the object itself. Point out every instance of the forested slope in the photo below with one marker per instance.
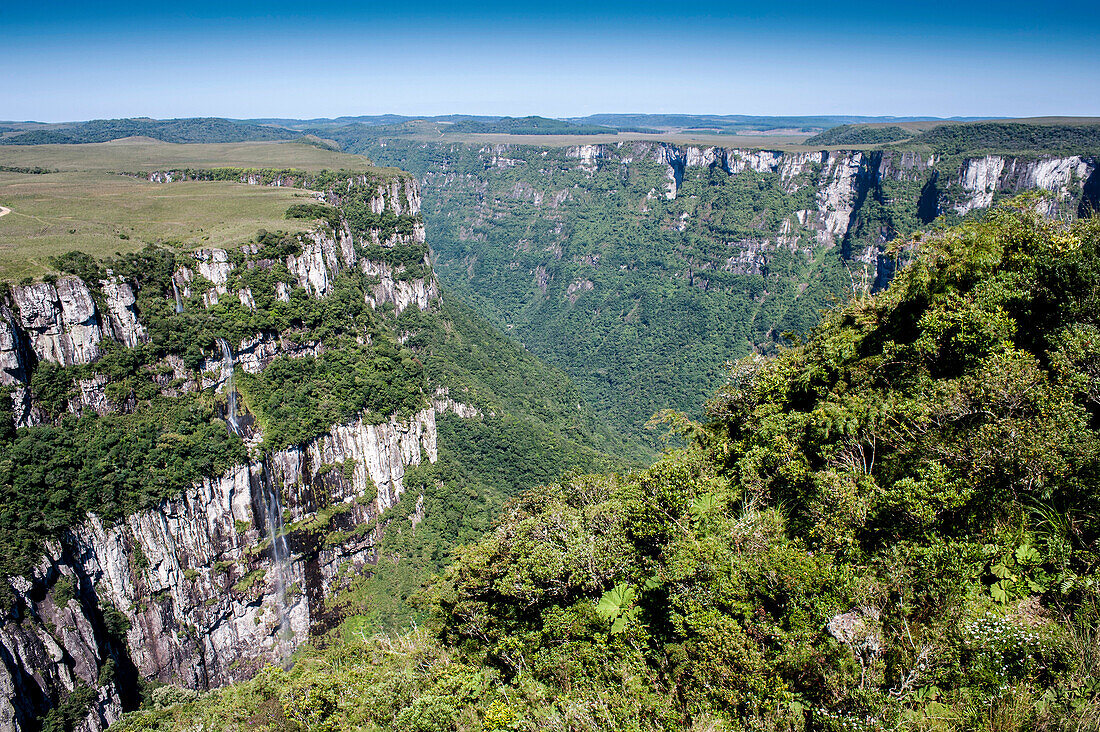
(890, 526)
(640, 268)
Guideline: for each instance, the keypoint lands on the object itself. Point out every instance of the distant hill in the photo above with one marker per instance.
(859, 135)
(1039, 135)
(197, 129)
(738, 123)
(948, 136)
(529, 126)
(1012, 137)
(642, 123)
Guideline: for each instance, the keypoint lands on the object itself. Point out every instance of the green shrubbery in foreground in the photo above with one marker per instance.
(921, 477)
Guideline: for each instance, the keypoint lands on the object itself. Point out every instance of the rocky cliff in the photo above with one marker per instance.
(843, 181)
(206, 587)
(845, 185)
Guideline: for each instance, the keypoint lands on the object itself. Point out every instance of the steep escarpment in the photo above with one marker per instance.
(191, 589)
(205, 448)
(639, 267)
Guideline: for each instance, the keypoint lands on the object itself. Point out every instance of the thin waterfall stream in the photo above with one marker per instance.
(230, 391)
(272, 506)
(280, 554)
(179, 300)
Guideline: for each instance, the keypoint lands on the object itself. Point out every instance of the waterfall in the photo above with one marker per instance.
(280, 554)
(230, 392)
(179, 300)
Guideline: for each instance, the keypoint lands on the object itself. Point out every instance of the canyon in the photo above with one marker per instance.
(640, 267)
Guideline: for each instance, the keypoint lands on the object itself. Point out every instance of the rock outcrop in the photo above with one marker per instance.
(60, 321)
(194, 576)
(122, 313)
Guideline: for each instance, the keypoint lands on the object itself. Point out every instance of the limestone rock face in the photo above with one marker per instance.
(60, 321)
(13, 358)
(194, 577)
(1061, 177)
(314, 267)
(400, 292)
(214, 265)
(91, 396)
(442, 402)
(122, 314)
(836, 198)
(979, 178)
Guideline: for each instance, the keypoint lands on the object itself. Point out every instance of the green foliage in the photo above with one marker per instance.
(64, 590)
(320, 211)
(859, 135)
(34, 170)
(65, 716)
(116, 622)
(616, 607)
(1011, 137)
(890, 461)
(632, 295)
(533, 429)
(51, 475)
(296, 399)
(250, 580)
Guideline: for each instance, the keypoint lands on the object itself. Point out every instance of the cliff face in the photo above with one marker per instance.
(846, 186)
(981, 178)
(196, 578)
(207, 587)
(843, 180)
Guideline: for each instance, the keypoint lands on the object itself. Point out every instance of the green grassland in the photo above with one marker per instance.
(101, 214)
(86, 206)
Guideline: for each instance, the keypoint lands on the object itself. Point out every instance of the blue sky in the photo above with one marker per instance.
(65, 61)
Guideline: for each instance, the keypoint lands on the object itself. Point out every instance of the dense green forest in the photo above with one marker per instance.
(972, 138)
(1011, 137)
(892, 525)
(638, 298)
(859, 135)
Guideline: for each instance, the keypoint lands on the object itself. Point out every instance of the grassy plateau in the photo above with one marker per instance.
(87, 206)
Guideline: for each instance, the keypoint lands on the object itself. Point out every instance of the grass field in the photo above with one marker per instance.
(87, 208)
(137, 154)
(93, 212)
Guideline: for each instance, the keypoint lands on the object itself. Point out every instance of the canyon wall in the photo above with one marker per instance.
(232, 574)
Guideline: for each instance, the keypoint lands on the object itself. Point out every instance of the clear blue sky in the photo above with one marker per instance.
(66, 61)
